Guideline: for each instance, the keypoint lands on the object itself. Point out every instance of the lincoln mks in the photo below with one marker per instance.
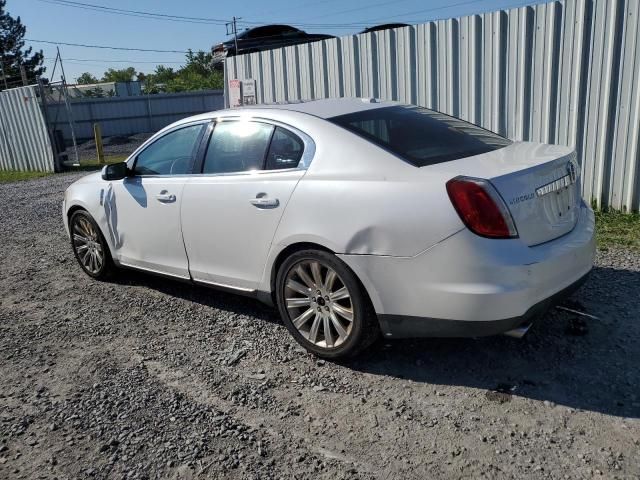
(355, 217)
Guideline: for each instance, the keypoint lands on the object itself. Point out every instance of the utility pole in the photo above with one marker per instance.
(23, 75)
(234, 30)
(235, 33)
(65, 94)
(4, 77)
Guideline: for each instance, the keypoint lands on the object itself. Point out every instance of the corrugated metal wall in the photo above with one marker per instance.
(563, 72)
(130, 115)
(24, 141)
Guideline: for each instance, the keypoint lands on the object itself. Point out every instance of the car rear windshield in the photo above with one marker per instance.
(421, 136)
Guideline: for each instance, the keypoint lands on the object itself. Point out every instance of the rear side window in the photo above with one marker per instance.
(285, 151)
(237, 146)
(421, 136)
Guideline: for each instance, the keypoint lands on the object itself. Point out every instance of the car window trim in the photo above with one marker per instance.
(132, 160)
(198, 165)
(305, 160)
(266, 152)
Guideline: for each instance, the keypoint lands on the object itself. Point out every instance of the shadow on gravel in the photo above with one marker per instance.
(205, 296)
(565, 359)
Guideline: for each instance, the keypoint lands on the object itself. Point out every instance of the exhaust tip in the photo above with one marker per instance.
(518, 332)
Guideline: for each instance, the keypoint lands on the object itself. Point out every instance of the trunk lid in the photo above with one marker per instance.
(539, 183)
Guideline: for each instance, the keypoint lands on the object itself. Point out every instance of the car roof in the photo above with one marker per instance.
(325, 108)
(266, 27)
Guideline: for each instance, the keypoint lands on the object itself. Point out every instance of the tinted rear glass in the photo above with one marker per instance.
(421, 136)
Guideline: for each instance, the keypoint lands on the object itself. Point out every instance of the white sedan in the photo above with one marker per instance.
(355, 217)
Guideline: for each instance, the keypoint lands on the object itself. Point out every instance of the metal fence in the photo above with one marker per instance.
(24, 140)
(562, 72)
(130, 115)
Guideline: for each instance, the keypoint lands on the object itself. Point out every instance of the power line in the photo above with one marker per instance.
(159, 62)
(426, 10)
(433, 9)
(249, 23)
(176, 18)
(129, 49)
(105, 65)
(369, 7)
(310, 25)
(368, 22)
(300, 6)
(316, 26)
(136, 13)
(414, 12)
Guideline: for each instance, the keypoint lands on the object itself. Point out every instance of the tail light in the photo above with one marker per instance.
(481, 207)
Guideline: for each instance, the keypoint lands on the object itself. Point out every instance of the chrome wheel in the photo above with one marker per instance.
(318, 303)
(86, 243)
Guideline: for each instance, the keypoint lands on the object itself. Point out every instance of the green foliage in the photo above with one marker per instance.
(198, 73)
(86, 79)
(14, 175)
(12, 51)
(96, 92)
(617, 229)
(121, 75)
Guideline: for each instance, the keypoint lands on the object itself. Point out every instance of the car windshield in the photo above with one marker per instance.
(421, 136)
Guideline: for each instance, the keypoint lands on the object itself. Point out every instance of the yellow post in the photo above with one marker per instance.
(97, 133)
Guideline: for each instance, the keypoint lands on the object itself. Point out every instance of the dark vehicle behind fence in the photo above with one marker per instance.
(384, 26)
(264, 38)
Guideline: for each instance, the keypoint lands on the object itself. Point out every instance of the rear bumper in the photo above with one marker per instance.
(407, 327)
(472, 286)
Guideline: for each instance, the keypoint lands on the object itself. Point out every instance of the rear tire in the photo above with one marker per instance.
(324, 306)
(90, 247)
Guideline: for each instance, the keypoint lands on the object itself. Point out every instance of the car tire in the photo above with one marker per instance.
(90, 247)
(317, 294)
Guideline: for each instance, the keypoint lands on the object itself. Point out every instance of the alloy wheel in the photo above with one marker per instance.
(86, 243)
(318, 303)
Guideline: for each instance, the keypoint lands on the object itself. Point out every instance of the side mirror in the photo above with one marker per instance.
(115, 171)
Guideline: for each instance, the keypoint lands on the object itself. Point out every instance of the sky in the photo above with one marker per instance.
(57, 21)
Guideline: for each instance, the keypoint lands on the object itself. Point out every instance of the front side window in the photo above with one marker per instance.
(421, 136)
(171, 154)
(237, 146)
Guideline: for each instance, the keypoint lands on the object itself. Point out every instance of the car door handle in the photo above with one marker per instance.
(166, 197)
(263, 202)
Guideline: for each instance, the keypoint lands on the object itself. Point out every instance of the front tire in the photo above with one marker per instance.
(324, 306)
(89, 246)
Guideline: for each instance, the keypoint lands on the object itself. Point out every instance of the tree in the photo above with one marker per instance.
(86, 79)
(12, 51)
(198, 73)
(156, 82)
(200, 63)
(95, 92)
(188, 80)
(122, 75)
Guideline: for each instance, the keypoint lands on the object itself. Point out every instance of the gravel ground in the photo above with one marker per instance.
(148, 378)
